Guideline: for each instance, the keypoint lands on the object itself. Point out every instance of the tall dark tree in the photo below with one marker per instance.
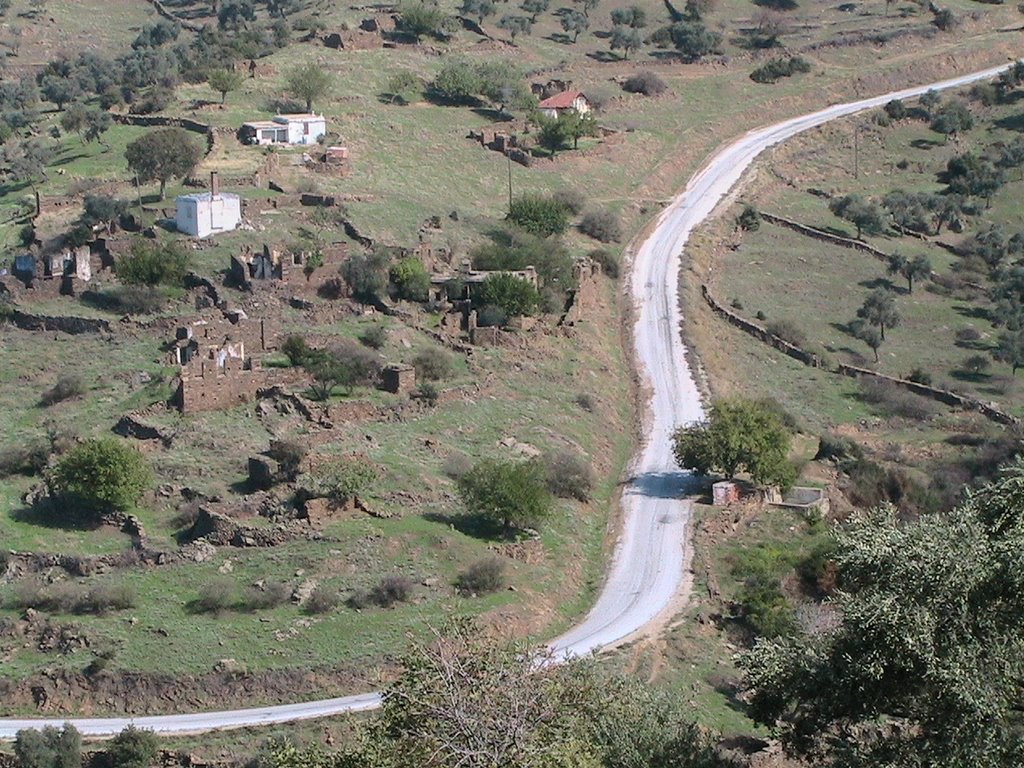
(309, 82)
(864, 214)
(917, 268)
(879, 310)
(575, 23)
(163, 154)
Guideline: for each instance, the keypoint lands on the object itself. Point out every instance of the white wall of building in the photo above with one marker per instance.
(199, 216)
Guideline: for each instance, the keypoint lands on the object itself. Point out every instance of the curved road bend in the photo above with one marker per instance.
(648, 564)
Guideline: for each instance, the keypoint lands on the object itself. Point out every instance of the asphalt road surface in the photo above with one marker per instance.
(649, 562)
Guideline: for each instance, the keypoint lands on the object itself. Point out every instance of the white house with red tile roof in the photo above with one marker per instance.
(564, 102)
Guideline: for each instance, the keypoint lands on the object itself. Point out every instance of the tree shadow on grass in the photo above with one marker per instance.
(560, 37)
(605, 57)
(970, 377)
(881, 282)
(1011, 123)
(926, 143)
(475, 526)
(971, 311)
(494, 115)
(46, 514)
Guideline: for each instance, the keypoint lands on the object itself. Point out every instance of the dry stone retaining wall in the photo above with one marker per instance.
(945, 396)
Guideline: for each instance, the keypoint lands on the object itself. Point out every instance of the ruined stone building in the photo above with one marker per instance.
(300, 270)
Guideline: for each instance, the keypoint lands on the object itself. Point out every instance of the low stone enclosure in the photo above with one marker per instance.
(944, 396)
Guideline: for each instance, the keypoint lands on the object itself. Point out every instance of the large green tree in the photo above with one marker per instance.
(163, 154)
(739, 435)
(879, 310)
(923, 661)
(101, 475)
(509, 494)
(49, 747)
(309, 82)
(223, 81)
(864, 214)
(512, 295)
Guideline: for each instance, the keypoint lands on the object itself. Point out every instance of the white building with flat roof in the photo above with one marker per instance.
(206, 213)
(304, 128)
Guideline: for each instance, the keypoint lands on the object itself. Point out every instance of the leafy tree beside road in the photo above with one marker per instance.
(739, 435)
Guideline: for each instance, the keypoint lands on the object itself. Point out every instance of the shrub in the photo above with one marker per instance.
(390, 591)
(344, 479)
(762, 606)
(512, 295)
(838, 449)
(967, 335)
(919, 376)
(586, 401)
(428, 392)
(895, 109)
(48, 747)
(433, 364)
(270, 595)
(607, 260)
(539, 215)
(647, 83)
(153, 264)
(508, 494)
(410, 280)
(870, 484)
(603, 225)
(70, 597)
(68, 385)
(890, 399)
(787, 331)
(289, 455)
(215, 596)
(976, 365)
(482, 577)
(945, 19)
(27, 458)
(568, 475)
(374, 337)
(491, 316)
(457, 464)
(570, 199)
(321, 600)
(101, 475)
(132, 748)
(776, 69)
(295, 349)
(749, 219)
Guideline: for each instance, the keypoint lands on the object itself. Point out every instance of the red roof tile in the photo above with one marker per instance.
(563, 100)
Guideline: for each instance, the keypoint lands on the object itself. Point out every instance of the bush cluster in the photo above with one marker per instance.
(390, 591)
(607, 260)
(568, 475)
(776, 69)
(222, 594)
(68, 385)
(647, 83)
(787, 331)
(321, 600)
(890, 399)
(482, 577)
(68, 597)
(27, 458)
(433, 364)
(603, 225)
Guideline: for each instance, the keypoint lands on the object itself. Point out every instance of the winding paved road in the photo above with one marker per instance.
(649, 562)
